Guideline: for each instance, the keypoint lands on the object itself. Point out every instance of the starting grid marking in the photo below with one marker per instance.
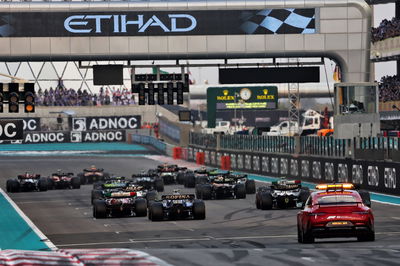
(376, 197)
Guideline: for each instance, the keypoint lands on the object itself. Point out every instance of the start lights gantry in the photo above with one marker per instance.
(14, 94)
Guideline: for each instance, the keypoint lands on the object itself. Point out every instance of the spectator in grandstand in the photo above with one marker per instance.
(389, 89)
(386, 29)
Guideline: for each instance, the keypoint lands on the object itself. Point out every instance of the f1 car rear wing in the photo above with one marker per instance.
(120, 194)
(286, 184)
(144, 175)
(62, 174)
(178, 197)
(37, 176)
(93, 170)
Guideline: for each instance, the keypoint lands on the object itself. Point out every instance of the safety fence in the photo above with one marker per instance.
(258, 143)
(324, 146)
(203, 140)
(379, 176)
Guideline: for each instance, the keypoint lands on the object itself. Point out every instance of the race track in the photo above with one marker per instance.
(234, 232)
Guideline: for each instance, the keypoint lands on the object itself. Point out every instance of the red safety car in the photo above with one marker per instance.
(335, 210)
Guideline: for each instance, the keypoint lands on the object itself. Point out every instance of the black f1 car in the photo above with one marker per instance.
(222, 186)
(177, 206)
(93, 174)
(119, 203)
(27, 182)
(63, 180)
(282, 194)
(149, 181)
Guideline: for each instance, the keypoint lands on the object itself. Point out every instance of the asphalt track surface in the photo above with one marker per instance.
(234, 232)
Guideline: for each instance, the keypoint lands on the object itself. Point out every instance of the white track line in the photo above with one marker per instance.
(29, 222)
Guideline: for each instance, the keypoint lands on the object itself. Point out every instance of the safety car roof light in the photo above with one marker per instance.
(335, 187)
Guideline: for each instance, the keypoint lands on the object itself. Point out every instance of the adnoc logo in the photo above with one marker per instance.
(120, 23)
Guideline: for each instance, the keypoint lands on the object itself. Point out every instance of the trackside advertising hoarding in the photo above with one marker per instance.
(105, 123)
(159, 23)
(71, 137)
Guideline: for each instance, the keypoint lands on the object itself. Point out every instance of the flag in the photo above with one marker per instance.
(337, 75)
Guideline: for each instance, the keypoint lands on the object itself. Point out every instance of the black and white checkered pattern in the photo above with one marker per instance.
(279, 21)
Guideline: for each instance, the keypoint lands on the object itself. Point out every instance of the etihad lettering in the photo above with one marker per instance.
(81, 24)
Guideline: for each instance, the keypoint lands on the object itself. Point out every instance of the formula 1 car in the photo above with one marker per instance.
(120, 184)
(63, 180)
(149, 181)
(27, 182)
(282, 194)
(222, 186)
(119, 203)
(177, 206)
(336, 210)
(198, 176)
(93, 174)
(168, 172)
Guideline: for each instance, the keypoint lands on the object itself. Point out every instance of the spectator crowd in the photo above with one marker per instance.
(70, 97)
(389, 88)
(386, 29)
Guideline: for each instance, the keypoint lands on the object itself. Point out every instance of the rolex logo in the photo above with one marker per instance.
(265, 91)
(226, 92)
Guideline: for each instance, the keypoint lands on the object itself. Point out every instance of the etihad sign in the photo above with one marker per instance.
(120, 23)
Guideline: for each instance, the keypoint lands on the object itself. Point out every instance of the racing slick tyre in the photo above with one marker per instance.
(42, 184)
(157, 213)
(13, 185)
(96, 194)
(303, 196)
(199, 210)
(368, 237)
(366, 197)
(50, 183)
(82, 178)
(250, 186)
(266, 201)
(151, 197)
(141, 207)
(190, 180)
(8, 186)
(240, 191)
(105, 176)
(203, 191)
(258, 200)
(97, 185)
(99, 209)
(180, 178)
(75, 183)
(159, 185)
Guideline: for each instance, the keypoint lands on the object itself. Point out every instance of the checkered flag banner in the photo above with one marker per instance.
(279, 21)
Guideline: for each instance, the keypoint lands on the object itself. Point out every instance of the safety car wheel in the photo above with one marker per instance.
(159, 185)
(42, 184)
(266, 201)
(157, 211)
(299, 235)
(307, 237)
(199, 210)
(75, 183)
(369, 237)
(99, 209)
(141, 207)
(250, 186)
(240, 191)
